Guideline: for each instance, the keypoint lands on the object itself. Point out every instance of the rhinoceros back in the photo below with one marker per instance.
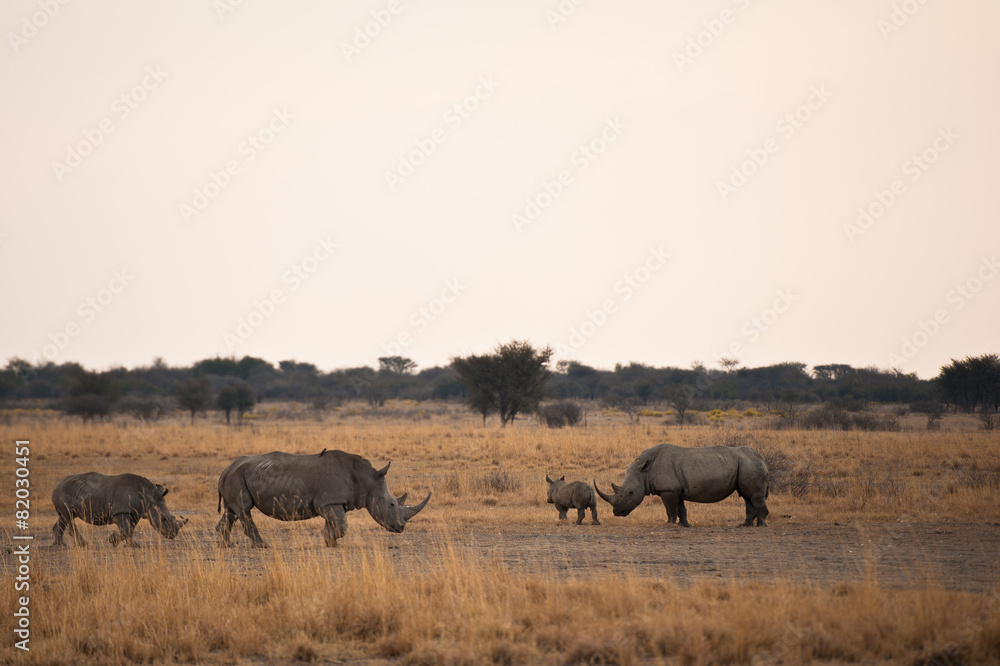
(97, 497)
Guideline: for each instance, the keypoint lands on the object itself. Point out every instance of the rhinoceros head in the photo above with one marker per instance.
(160, 517)
(628, 495)
(388, 511)
(552, 484)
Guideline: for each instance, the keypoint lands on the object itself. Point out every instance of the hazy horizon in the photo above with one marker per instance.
(647, 182)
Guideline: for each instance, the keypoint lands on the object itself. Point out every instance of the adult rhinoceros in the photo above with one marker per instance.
(289, 486)
(101, 500)
(708, 474)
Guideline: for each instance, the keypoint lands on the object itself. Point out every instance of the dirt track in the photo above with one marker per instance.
(957, 556)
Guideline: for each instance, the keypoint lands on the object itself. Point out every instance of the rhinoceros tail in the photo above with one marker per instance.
(219, 509)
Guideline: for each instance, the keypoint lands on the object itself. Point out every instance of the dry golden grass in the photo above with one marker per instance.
(190, 601)
(830, 476)
(119, 607)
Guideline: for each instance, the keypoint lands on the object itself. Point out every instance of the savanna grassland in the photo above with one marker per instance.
(881, 547)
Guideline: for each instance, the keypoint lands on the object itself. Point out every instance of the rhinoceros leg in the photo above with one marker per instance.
(336, 523)
(580, 515)
(682, 513)
(250, 529)
(65, 524)
(563, 510)
(593, 512)
(61, 526)
(760, 506)
(126, 525)
(57, 532)
(756, 509)
(225, 526)
(751, 513)
(675, 508)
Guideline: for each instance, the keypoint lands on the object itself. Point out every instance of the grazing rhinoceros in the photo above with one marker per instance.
(101, 500)
(289, 486)
(708, 474)
(577, 495)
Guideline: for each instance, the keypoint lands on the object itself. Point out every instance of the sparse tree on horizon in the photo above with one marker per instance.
(237, 397)
(195, 395)
(510, 381)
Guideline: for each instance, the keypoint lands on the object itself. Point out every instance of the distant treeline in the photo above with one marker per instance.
(972, 384)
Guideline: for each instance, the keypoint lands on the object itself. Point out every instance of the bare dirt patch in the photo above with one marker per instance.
(955, 556)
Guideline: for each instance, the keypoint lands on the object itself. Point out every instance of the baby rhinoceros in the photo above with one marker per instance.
(577, 495)
(122, 500)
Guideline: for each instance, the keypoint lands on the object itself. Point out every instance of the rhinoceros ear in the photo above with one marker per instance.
(380, 473)
(547, 479)
(645, 465)
(163, 491)
(562, 478)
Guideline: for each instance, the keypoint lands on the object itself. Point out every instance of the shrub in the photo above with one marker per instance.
(830, 417)
(827, 417)
(562, 413)
(145, 408)
(500, 481)
(872, 421)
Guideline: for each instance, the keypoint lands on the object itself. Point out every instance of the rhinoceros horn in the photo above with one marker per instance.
(604, 496)
(410, 511)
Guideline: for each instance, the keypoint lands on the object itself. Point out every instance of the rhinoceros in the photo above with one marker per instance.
(101, 500)
(576, 495)
(707, 474)
(290, 486)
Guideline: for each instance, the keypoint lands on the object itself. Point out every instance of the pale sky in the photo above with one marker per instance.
(651, 181)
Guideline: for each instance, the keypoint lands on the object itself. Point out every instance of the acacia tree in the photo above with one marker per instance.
(239, 398)
(510, 381)
(195, 395)
(972, 382)
(397, 365)
(92, 395)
